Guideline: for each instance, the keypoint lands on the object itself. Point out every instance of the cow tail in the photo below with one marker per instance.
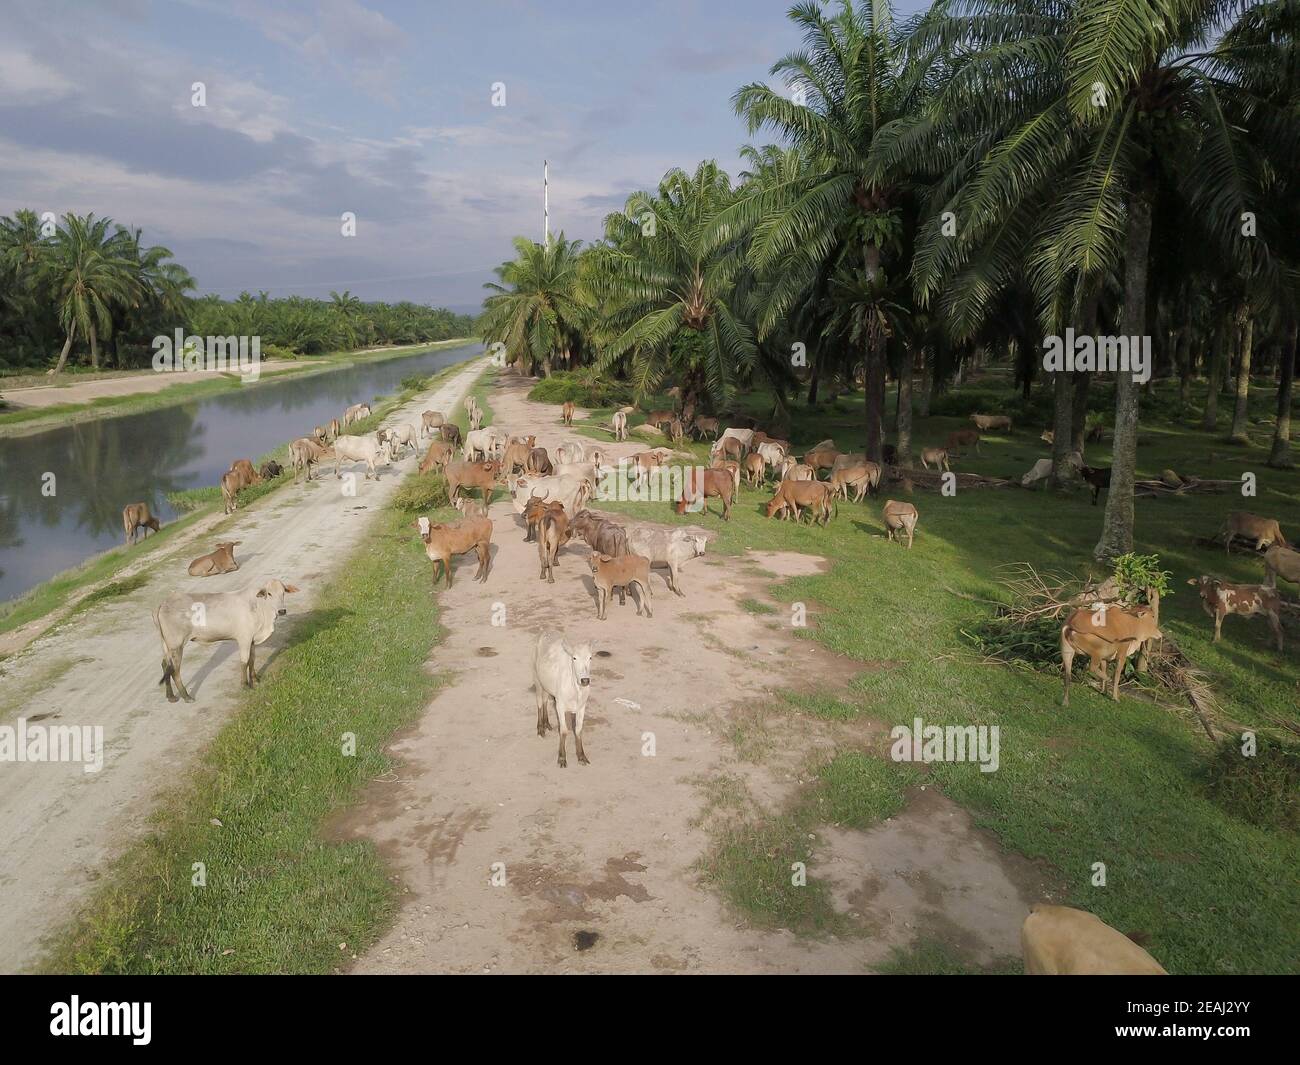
(1281, 539)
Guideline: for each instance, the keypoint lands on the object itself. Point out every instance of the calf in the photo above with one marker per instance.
(476, 418)
(621, 572)
(700, 484)
(304, 453)
(1219, 599)
(552, 534)
(791, 495)
(136, 516)
(1264, 531)
(566, 412)
(985, 422)
(899, 518)
(247, 617)
(659, 418)
(1098, 478)
(470, 475)
(937, 455)
(562, 679)
(1063, 941)
(436, 458)
(963, 438)
(222, 560)
(443, 541)
(270, 470)
(727, 447)
(1105, 633)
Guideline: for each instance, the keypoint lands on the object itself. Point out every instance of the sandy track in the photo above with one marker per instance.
(612, 848)
(59, 826)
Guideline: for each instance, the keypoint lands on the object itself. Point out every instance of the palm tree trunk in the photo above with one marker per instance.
(874, 397)
(94, 347)
(1280, 455)
(927, 382)
(813, 380)
(1184, 356)
(1241, 409)
(903, 419)
(1117, 525)
(1079, 412)
(1062, 422)
(67, 347)
(1210, 418)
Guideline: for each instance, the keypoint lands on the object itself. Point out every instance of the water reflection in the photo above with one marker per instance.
(100, 466)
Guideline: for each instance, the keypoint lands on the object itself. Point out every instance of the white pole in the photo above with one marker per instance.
(546, 201)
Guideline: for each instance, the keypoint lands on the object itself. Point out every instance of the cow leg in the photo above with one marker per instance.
(1275, 623)
(1120, 659)
(542, 723)
(485, 559)
(577, 737)
(563, 717)
(1067, 664)
(1218, 625)
(446, 565)
(176, 657)
(245, 658)
(674, 584)
(252, 664)
(601, 594)
(643, 591)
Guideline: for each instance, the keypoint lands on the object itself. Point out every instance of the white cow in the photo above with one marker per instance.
(478, 444)
(667, 547)
(773, 454)
(401, 436)
(247, 617)
(572, 491)
(620, 425)
(562, 679)
(365, 448)
(570, 452)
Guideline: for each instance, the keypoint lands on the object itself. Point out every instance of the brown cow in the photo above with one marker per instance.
(985, 422)
(755, 468)
(468, 475)
(539, 463)
(516, 455)
(534, 510)
(222, 560)
(436, 458)
(270, 470)
(450, 432)
(821, 458)
(566, 412)
(1219, 599)
(729, 447)
(442, 541)
(135, 516)
(304, 453)
(862, 475)
(712, 483)
(600, 534)
(552, 534)
(1264, 531)
(701, 425)
(899, 518)
(791, 495)
(1105, 633)
(610, 573)
(241, 475)
(660, 417)
(963, 438)
(1063, 941)
(937, 455)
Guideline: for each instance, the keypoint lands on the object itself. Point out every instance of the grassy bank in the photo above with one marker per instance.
(20, 421)
(279, 897)
(1126, 784)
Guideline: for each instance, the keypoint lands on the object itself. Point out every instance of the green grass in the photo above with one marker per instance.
(1126, 783)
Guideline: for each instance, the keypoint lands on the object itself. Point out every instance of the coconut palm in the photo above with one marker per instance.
(1061, 127)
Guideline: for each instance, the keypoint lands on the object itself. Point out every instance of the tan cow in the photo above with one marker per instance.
(516, 455)
(619, 422)
(442, 541)
(1264, 531)
(1063, 941)
(470, 475)
(1281, 562)
(659, 418)
(431, 421)
(960, 438)
(436, 458)
(1105, 633)
(730, 465)
(247, 617)
(755, 469)
(222, 560)
(985, 422)
(791, 495)
(552, 534)
(566, 412)
(937, 455)
(794, 470)
(862, 475)
(241, 475)
(1219, 599)
(821, 458)
(899, 518)
(305, 453)
(700, 484)
(621, 572)
(136, 516)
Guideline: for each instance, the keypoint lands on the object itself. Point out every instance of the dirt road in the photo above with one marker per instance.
(59, 825)
(509, 863)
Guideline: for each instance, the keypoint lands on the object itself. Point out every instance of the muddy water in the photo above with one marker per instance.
(100, 466)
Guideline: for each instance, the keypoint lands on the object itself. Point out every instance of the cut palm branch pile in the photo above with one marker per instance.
(1025, 629)
(1171, 484)
(933, 479)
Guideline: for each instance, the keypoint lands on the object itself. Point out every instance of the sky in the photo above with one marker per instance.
(384, 110)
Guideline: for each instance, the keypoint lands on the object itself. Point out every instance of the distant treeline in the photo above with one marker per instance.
(88, 290)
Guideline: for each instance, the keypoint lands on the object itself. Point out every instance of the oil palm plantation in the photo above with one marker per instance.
(669, 288)
(1060, 127)
(537, 310)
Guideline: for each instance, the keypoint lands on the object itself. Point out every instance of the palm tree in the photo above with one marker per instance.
(537, 309)
(848, 82)
(1062, 126)
(91, 273)
(669, 288)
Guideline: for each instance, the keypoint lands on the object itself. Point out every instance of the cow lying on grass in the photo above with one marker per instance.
(222, 560)
(247, 617)
(1219, 599)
